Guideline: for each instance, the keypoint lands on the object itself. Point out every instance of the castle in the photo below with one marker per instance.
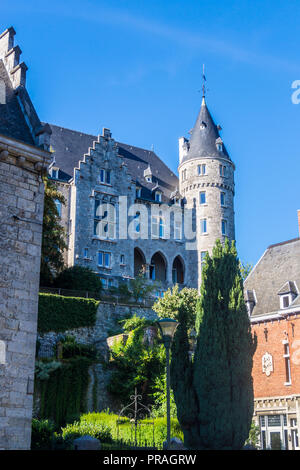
(127, 212)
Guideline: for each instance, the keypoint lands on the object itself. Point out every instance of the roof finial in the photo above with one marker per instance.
(203, 86)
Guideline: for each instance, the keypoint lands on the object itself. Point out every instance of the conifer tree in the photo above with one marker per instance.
(214, 392)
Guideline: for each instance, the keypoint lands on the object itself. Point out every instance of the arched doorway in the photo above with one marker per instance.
(139, 262)
(178, 271)
(158, 267)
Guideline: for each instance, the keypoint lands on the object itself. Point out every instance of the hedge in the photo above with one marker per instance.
(59, 313)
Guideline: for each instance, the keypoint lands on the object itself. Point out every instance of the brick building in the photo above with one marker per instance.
(24, 144)
(273, 299)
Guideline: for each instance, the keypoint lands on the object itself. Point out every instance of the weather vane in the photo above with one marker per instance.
(204, 89)
(204, 80)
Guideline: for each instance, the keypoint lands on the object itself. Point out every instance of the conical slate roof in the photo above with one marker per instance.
(204, 137)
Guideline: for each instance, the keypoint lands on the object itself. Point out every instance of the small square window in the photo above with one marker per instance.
(203, 197)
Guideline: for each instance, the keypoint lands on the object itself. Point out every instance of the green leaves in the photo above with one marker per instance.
(214, 393)
(58, 313)
(53, 237)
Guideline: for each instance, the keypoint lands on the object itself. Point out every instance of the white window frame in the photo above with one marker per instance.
(58, 205)
(105, 176)
(202, 203)
(287, 360)
(104, 255)
(203, 225)
(177, 230)
(105, 225)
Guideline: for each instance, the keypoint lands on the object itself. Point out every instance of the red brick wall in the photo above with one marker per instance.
(274, 384)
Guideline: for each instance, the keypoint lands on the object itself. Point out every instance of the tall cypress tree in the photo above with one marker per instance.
(214, 392)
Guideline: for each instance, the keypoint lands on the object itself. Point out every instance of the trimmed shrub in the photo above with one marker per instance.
(58, 313)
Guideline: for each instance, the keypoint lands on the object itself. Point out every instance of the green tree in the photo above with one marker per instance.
(140, 287)
(214, 392)
(135, 364)
(174, 301)
(245, 269)
(53, 238)
(78, 278)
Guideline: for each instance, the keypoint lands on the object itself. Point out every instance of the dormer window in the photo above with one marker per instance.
(219, 144)
(54, 173)
(158, 196)
(287, 294)
(250, 300)
(149, 179)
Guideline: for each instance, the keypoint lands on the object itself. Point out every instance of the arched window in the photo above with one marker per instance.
(158, 267)
(178, 271)
(139, 262)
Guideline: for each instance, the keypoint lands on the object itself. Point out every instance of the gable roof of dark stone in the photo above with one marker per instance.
(278, 268)
(204, 135)
(12, 120)
(69, 146)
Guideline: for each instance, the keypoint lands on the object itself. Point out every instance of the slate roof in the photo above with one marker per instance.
(69, 146)
(279, 265)
(204, 135)
(12, 121)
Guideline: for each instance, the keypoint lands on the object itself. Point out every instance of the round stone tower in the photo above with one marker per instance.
(206, 175)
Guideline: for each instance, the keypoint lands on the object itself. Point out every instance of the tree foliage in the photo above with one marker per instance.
(78, 278)
(53, 237)
(214, 392)
(135, 364)
(177, 302)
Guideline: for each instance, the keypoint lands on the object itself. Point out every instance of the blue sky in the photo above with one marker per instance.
(135, 67)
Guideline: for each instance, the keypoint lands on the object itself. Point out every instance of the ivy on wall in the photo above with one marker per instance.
(59, 313)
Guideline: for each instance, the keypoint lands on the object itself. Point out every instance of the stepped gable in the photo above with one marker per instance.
(69, 146)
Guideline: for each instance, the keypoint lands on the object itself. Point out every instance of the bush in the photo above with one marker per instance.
(78, 278)
(58, 313)
(70, 348)
(134, 322)
(41, 434)
(82, 428)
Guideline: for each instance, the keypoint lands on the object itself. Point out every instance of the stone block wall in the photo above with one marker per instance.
(21, 210)
(97, 335)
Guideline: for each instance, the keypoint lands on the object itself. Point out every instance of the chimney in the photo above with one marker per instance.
(299, 221)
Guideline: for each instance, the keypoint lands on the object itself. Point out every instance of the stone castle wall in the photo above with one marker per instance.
(97, 336)
(21, 208)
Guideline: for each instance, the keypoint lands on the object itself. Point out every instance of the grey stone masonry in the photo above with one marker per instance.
(21, 209)
(24, 157)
